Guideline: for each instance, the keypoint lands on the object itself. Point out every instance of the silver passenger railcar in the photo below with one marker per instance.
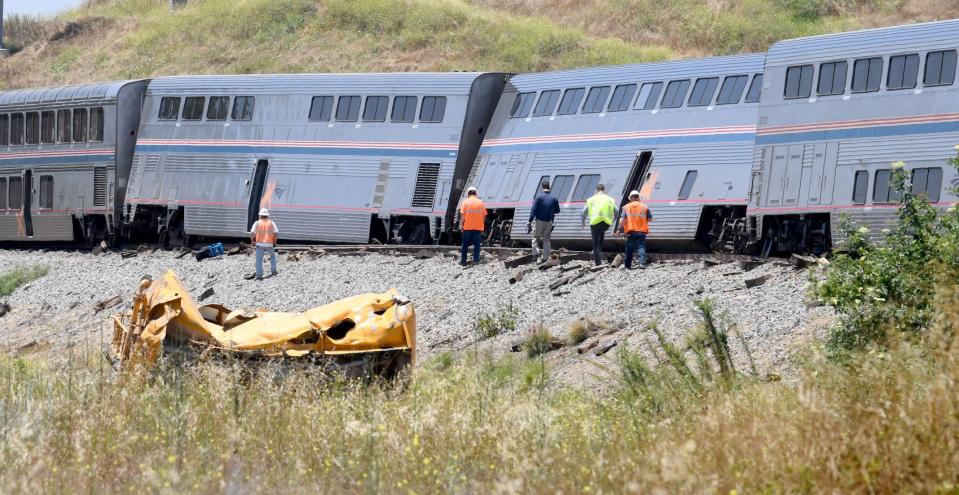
(835, 113)
(65, 156)
(680, 132)
(336, 157)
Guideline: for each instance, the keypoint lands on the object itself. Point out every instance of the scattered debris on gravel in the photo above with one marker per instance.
(766, 301)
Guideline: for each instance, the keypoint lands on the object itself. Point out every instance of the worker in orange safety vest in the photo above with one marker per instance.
(634, 223)
(263, 236)
(472, 222)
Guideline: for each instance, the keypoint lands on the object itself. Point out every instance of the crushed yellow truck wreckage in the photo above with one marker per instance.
(361, 335)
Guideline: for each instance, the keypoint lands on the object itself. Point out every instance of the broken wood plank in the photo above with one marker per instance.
(107, 303)
(757, 281)
(519, 260)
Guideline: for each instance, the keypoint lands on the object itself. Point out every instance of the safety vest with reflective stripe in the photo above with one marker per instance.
(265, 231)
(473, 214)
(600, 208)
(635, 218)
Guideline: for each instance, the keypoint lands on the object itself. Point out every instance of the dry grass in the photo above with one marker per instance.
(886, 423)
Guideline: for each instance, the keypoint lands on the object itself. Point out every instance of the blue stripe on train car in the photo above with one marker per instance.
(56, 160)
(285, 150)
(858, 132)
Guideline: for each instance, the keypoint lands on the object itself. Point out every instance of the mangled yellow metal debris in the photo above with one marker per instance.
(371, 333)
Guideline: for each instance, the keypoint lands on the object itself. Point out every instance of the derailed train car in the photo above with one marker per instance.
(680, 132)
(336, 157)
(65, 157)
(836, 112)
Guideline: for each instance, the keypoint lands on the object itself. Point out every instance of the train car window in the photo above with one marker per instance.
(193, 107)
(687, 187)
(940, 68)
(570, 102)
(33, 128)
(866, 75)
(169, 108)
(546, 103)
(522, 105)
(903, 71)
(96, 124)
(243, 108)
(585, 187)
(860, 186)
(4, 130)
(596, 99)
(648, 96)
(539, 185)
(703, 91)
(798, 81)
(64, 126)
(79, 125)
(46, 191)
(16, 193)
(218, 108)
(16, 129)
(562, 184)
(832, 78)
(433, 109)
(675, 94)
(882, 191)
(48, 126)
(3, 193)
(404, 109)
(755, 89)
(375, 109)
(732, 90)
(321, 109)
(348, 109)
(622, 97)
(927, 181)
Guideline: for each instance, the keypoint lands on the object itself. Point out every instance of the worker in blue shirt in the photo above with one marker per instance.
(545, 208)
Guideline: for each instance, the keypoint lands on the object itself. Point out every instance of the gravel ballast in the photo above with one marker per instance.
(56, 312)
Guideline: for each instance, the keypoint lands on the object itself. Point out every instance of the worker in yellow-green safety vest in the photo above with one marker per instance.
(600, 210)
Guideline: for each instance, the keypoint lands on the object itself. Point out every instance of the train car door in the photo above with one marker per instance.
(27, 200)
(777, 176)
(637, 175)
(823, 171)
(256, 191)
(794, 170)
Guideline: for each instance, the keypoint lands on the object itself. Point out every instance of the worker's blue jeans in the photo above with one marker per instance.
(260, 250)
(635, 242)
(474, 238)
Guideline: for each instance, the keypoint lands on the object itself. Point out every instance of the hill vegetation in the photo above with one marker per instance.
(113, 39)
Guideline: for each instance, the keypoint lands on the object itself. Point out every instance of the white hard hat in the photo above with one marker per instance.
(470, 189)
(633, 193)
(264, 212)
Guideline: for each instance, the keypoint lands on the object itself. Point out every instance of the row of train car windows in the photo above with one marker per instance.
(76, 125)
(217, 108)
(432, 109)
(926, 181)
(561, 185)
(15, 192)
(902, 73)
(730, 92)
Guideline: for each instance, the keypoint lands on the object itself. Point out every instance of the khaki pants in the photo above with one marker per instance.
(542, 230)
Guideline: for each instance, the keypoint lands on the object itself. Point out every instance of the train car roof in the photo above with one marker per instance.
(853, 44)
(660, 71)
(389, 82)
(80, 94)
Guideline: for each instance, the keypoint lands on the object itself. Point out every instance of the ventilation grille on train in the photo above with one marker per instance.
(99, 186)
(426, 179)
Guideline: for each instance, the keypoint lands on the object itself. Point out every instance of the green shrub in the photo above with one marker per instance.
(889, 287)
(501, 321)
(539, 341)
(9, 281)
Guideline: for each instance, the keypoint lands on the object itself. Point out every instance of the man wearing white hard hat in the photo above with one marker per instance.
(634, 223)
(263, 236)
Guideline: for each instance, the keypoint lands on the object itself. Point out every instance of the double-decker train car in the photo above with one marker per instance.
(835, 113)
(335, 157)
(680, 132)
(65, 156)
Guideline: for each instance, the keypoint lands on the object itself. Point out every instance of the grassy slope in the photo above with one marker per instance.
(141, 38)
